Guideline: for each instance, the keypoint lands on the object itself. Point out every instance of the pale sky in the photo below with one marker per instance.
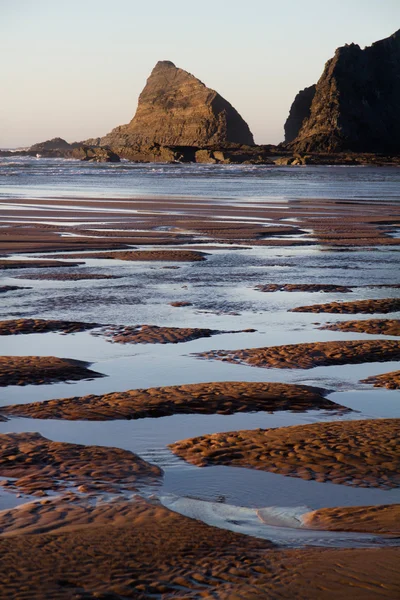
(75, 68)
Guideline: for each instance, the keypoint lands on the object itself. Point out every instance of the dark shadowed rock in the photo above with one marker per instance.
(299, 111)
(175, 108)
(356, 102)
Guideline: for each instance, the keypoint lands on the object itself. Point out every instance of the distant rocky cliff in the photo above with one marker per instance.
(174, 109)
(299, 111)
(356, 106)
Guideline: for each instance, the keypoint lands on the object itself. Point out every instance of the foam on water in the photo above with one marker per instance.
(280, 525)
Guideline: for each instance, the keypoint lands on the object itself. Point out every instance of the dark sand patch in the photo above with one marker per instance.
(36, 370)
(143, 550)
(357, 453)
(384, 305)
(388, 380)
(383, 519)
(153, 334)
(25, 326)
(373, 326)
(67, 276)
(145, 255)
(37, 465)
(302, 287)
(314, 354)
(12, 288)
(225, 398)
(35, 264)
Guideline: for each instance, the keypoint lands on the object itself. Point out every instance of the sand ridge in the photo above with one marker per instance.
(391, 380)
(357, 453)
(154, 334)
(144, 550)
(67, 276)
(25, 326)
(35, 264)
(383, 306)
(226, 397)
(303, 287)
(33, 464)
(373, 326)
(36, 370)
(309, 355)
(384, 519)
(143, 255)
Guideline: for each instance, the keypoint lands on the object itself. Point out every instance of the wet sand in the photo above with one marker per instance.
(356, 453)
(153, 334)
(190, 220)
(373, 326)
(36, 370)
(303, 287)
(367, 519)
(35, 465)
(139, 550)
(223, 398)
(307, 356)
(66, 276)
(390, 380)
(383, 306)
(26, 326)
(35, 264)
(143, 550)
(146, 255)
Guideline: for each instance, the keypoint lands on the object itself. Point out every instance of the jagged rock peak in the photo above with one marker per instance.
(356, 102)
(164, 64)
(176, 108)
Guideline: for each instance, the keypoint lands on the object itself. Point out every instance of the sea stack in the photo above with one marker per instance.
(299, 112)
(177, 109)
(356, 102)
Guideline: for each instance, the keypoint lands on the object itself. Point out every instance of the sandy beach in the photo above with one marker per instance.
(93, 445)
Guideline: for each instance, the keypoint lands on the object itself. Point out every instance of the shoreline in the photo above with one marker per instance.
(301, 252)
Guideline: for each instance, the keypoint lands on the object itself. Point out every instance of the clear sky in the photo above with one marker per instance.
(75, 68)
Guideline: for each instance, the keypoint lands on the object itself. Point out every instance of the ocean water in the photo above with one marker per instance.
(223, 295)
(26, 177)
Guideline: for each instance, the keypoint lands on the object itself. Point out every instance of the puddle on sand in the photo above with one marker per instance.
(260, 523)
(12, 499)
(143, 296)
(132, 366)
(245, 487)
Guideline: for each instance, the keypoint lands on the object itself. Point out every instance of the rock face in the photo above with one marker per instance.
(299, 111)
(176, 109)
(356, 102)
(50, 145)
(97, 154)
(59, 148)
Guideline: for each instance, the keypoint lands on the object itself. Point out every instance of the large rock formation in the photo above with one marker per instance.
(96, 154)
(176, 109)
(299, 111)
(59, 148)
(56, 144)
(356, 106)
